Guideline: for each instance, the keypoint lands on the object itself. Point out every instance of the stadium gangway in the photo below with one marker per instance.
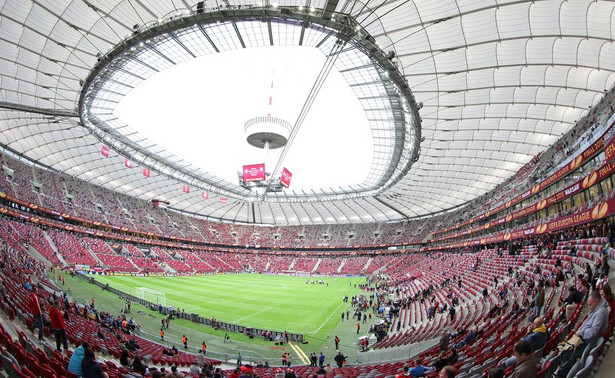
(399, 353)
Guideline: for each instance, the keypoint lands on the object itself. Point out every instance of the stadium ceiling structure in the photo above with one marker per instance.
(459, 95)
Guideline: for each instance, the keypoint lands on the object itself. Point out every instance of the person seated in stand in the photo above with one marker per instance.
(194, 369)
(448, 371)
(125, 359)
(607, 294)
(516, 310)
(469, 339)
(246, 370)
(208, 370)
(235, 373)
(167, 352)
(328, 369)
(132, 345)
(444, 360)
(76, 359)
(174, 373)
(572, 301)
(100, 334)
(420, 370)
(590, 330)
(569, 270)
(174, 350)
(495, 373)
(90, 367)
(537, 338)
(582, 285)
(494, 311)
(278, 374)
(138, 366)
(321, 371)
(526, 363)
(404, 373)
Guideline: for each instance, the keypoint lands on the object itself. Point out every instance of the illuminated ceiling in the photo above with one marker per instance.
(499, 83)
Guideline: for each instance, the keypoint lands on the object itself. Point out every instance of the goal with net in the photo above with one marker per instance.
(151, 295)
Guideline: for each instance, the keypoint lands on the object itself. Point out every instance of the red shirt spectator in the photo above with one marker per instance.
(57, 320)
(35, 306)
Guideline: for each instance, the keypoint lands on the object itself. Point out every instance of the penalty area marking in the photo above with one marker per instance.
(256, 313)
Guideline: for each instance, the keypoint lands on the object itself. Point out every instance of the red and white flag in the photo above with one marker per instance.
(104, 151)
(205, 195)
(146, 172)
(186, 189)
(128, 163)
(223, 200)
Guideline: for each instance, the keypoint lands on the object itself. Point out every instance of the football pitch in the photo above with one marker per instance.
(273, 302)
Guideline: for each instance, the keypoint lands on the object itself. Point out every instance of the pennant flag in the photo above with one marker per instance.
(105, 151)
(186, 189)
(205, 195)
(146, 172)
(128, 163)
(223, 200)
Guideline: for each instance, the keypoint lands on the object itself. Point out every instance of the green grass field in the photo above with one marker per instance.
(260, 301)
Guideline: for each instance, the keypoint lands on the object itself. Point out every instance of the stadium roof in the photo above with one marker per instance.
(498, 84)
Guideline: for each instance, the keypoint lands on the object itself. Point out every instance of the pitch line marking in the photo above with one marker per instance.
(325, 322)
(256, 313)
(302, 356)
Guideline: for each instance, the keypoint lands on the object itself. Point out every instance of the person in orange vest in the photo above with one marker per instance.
(204, 347)
(358, 328)
(185, 341)
(161, 333)
(337, 343)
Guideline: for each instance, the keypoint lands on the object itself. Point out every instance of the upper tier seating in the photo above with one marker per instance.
(72, 248)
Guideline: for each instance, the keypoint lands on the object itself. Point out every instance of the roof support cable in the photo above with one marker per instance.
(307, 105)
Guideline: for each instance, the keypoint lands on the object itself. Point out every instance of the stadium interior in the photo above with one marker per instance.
(487, 198)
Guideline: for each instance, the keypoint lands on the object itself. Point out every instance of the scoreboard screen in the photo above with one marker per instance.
(285, 178)
(253, 172)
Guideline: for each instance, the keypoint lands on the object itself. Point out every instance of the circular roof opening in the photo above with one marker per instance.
(196, 111)
(198, 80)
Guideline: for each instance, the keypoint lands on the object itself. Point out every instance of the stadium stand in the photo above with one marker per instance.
(418, 269)
(146, 265)
(72, 248)
(304, 264)
(196, 263)
(418, 295)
